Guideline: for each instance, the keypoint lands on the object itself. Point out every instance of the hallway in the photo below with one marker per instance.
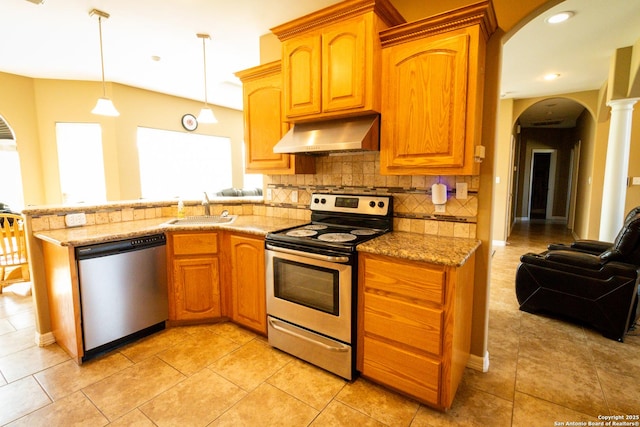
(542, 371)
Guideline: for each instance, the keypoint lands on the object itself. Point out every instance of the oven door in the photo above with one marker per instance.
(310, 290)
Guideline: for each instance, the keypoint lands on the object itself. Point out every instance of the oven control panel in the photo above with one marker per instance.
(357, 204)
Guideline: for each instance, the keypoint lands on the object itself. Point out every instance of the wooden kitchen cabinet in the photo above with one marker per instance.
(246, 266)
(432, 92)
(333, 70)
(414, 325)
(264, 125)
(194, 271)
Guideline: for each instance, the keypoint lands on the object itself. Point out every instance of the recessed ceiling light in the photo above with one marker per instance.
(551, 76)
(559, 17)
(155, 58)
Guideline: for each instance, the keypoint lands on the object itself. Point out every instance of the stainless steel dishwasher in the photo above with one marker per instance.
(123, 291)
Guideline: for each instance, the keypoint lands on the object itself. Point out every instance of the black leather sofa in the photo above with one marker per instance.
(589, 281)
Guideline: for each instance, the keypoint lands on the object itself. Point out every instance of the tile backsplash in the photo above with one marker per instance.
(350, 174)
(358, 174)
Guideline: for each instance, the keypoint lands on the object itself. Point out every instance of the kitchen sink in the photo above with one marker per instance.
(203, 220)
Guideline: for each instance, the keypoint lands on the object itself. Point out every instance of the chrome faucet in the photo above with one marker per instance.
(205, 203)
(224, 214)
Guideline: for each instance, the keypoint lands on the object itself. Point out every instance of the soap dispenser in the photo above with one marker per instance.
(180, 209)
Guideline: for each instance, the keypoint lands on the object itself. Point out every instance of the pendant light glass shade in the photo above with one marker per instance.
(104, 106)
(206, 114)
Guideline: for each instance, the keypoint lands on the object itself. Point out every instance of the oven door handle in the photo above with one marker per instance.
(343, 348)
(328, 258)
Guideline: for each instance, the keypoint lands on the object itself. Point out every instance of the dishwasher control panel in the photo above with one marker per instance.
(119, 246)
(143, 241)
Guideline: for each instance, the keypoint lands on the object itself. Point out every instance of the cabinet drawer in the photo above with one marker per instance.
(403, 370)
(409, 324)
(195, 243)
(413, 282)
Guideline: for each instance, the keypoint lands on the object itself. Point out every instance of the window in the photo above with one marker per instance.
(80, 162)
(251, 180)
(178, 164)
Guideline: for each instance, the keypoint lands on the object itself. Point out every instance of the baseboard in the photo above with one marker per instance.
(478, 363)
(43, 340)
(499, 242)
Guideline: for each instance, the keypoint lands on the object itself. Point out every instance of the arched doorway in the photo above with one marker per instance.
(549, 136)
(12, 200)
(10, 195)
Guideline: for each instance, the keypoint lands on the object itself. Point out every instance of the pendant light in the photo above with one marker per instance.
(104, 106)
(206, 114)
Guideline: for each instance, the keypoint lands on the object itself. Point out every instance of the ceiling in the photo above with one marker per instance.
(579, 49)
(58, 39)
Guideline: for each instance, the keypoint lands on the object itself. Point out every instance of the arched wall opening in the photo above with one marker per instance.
(563, 127)
(11, 196)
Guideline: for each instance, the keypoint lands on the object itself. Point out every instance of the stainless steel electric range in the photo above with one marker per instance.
(311, 276)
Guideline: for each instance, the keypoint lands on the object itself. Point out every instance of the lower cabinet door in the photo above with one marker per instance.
(196, 288)
(248, 291)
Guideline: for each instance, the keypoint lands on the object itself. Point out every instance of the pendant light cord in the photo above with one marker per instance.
(104, 90)
(204, 55)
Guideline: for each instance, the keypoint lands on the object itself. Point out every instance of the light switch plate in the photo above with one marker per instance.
(294, 196)
(635, 180)
(461, 190)
(441, 208)
(269, 194)
(75, 219)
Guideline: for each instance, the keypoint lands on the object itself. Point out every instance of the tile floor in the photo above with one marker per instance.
(543, 372)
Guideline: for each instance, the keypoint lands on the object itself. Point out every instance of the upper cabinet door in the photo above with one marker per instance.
(331, 60)
(425, 103)
(264, 125)
(344, 66)
(301, 68)
(432, 92)
(263, 111)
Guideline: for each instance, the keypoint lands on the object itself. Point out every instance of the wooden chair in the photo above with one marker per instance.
(13, 249)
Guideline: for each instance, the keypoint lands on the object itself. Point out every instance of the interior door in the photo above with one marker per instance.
(540, 185)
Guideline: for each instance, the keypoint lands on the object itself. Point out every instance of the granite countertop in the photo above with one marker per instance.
(451, 251)
(87, 235)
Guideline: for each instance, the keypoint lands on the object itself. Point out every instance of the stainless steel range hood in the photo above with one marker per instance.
(338, 135)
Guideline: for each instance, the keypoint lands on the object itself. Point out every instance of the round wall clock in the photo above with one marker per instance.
(189, 122)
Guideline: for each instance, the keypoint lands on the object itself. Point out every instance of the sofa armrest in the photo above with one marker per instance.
(578, 259)
(594, 246)
(560, 258)
(588, 246)
(580, 263)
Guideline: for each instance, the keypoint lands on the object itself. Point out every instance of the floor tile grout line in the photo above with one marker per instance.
(94, 404)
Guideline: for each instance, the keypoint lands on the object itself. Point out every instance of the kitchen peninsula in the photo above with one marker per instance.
(52, 249)
(446, 301)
